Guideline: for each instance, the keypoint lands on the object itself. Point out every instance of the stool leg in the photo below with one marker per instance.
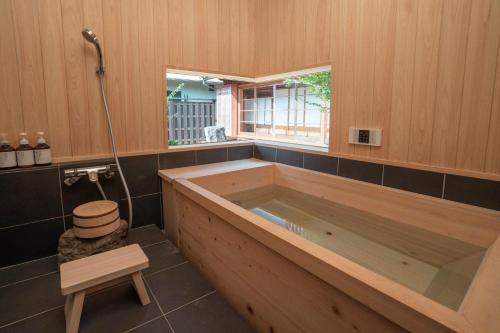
(73, 311)
(140, 288)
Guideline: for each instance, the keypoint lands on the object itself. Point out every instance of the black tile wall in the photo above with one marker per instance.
(265, 153)
(147, 210)
(211, 156)
(418, 181)
(239, 153)
(141, 174)
(479, 192)
(178, 159)
(364, 171)
(29, 195)
(290, 157)
(322, 163)
(29, 241)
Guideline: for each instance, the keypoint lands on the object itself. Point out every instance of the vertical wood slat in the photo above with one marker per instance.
(30, 66)
(10, 90)
(425, 79)
(492, 151)
(406, 26)
(450, 81)
(76, 76)
(480, 71)
(99, 136)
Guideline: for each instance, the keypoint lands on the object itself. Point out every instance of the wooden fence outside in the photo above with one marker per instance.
(187, 120)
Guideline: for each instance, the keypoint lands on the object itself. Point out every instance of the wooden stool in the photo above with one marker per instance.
(83, 276)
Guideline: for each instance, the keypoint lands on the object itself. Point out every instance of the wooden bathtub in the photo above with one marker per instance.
(281, 282)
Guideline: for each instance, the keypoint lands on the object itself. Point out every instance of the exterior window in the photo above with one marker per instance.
(296, 109)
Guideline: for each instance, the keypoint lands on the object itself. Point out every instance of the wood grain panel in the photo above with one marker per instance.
(212, 15)
(402, 93)
(480, 69)
(76, 76)
(424, 85)
(10, 90)
(450, 80)
(99, 136)
(30, 66)
(114, 49)
(175, 33)
(493, 152)
(187, 15)
(384, 68)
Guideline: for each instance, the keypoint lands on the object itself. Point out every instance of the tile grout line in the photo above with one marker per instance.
(338, 166)
(191, 302)
(31, 222)
(28, 279)
(61, 195)
(168, 323)
(26, 262)
(444, 184)
(383, 173)
(144, 323)
(166, 269)
(32, 316)
(153, 244)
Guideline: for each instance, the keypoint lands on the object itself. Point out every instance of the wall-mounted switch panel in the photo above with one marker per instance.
(365, 136)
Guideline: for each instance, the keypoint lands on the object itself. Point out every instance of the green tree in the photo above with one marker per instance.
(175, 91)
(319, 83)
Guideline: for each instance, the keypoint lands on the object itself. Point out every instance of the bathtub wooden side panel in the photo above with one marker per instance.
(270, 291)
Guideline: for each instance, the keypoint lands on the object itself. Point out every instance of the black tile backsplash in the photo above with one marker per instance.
(147, 210)
(30, 241)
(265, 153)
(322, 163)
(207, 156)
(177, 159)
(418, 181)
(28, 196)
(241, 152)
(473, 191)
(35, 200)
(290, 157)
(141, 174)
(359, 170)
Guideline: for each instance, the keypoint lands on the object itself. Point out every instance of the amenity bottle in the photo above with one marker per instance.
(43, 154)
(7, 153)
(24, 152)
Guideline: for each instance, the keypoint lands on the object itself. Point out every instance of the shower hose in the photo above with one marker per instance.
(113, 145)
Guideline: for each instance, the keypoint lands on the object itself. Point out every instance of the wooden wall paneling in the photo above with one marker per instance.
(480, 71)
(76, 76)
(450, 81)
(384, 68)
(317, 32)
(30, 66)
(132, 108)
(113, 50)
(201, 34)
(247, 37)
(10, 90)
(52, 47)
(175, 35)
(322, 32)
(262, 43)
(150, 112)
(336, 56)
(348, 79)
(406, 25)
(188, 33)
(99, 136)
(493, 151)
(228, 31)
(161, 50)
(298, 33)
(364, 67)
(425, 79)
(212, 16)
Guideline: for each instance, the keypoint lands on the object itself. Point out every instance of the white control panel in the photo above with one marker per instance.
(365, 136)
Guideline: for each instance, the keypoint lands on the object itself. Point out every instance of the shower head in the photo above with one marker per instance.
(90, 36)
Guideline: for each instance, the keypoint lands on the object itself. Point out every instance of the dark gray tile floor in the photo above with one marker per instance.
(182, 300)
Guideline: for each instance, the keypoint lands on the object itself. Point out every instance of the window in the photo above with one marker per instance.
(201, 108)
(295, 109)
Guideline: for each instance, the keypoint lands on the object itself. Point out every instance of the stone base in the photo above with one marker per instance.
(72, 248)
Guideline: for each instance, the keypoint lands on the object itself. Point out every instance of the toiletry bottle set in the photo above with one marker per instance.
(24, 155)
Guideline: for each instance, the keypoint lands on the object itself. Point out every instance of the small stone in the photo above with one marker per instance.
(72, 248)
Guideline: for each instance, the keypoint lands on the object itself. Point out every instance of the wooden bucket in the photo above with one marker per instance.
(96, 219)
